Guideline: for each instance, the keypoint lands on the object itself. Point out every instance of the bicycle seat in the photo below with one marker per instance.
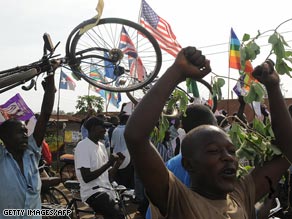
(48, 182)
(72, 185)
(67, 158)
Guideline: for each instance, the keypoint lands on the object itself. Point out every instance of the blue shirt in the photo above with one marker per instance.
(175, 166)
(84, 132)
(20, 190)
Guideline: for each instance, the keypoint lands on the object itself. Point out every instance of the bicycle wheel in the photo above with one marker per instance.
(206, 94)
(116, 55)
(13, 77)
(67, 172)
(204, 88)
(54, 196)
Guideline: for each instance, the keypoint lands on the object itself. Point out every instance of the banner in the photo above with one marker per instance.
(15, 107)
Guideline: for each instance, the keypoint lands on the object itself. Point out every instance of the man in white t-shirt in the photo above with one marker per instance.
(91, 165)
(125, 173)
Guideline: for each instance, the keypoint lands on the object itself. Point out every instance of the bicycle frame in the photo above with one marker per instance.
(124, 76)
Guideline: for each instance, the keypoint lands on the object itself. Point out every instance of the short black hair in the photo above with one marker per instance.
(7, 126)
(95, 121)
(196, 115)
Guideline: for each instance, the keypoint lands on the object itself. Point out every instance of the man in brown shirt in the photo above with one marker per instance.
(208, 153)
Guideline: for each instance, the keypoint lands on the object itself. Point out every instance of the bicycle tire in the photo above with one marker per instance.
(54, 196)
(205, 91)
(210, 99)
(10, 78)
(87, 54)
(67, 172)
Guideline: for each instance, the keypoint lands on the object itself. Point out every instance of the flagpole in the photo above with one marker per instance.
(228, 85)
(58, 112)
(107, 102)
(140, 12)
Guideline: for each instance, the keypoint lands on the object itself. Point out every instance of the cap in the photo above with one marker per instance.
(95, 121)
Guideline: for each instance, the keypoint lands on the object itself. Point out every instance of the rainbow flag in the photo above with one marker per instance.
(234, 55)
(243, 85)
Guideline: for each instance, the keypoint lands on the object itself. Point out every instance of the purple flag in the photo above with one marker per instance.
(15, 107)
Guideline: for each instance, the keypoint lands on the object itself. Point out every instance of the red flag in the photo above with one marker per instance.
(160, 30)
(135, 62)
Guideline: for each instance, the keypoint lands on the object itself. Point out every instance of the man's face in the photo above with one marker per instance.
(99, 132)
(17, 140)
(214, 163)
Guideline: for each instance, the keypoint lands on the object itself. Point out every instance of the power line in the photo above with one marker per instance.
(216, 53)
(221, 44)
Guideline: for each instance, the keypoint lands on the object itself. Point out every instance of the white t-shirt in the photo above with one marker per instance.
(119, 144)
(90, 155)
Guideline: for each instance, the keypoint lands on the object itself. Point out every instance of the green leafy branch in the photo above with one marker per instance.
(254, 144)
(250, 49)
(176, 104)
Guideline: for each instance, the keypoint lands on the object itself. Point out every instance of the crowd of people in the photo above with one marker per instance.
(191, 173)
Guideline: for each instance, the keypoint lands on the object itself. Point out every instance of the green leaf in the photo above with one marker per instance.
(251, 96)
(275, 150)
(245, 37)
(283, 40)
(282, 67)
(273, 39)
(259, 126)
(216, 88)
(288, 53)
(279, 49)
(221, 82)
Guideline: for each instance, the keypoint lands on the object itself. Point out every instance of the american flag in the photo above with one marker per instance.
(160, 30)
(135, 62)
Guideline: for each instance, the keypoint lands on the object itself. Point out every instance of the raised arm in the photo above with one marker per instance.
(282, 126)
(281, 120)
(148, 163)
(46, 110)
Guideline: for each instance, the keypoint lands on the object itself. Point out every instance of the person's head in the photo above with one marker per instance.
(96, 128)
(114, 120)
(123, 118)
(197, 114)
(209, 157)
(13, 133)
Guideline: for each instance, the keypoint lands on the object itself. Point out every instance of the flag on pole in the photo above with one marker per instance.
(234, 54)
(127, 46)
(115, 99)
(243, 84)
(15, 107)
(162, 32)
(66, 82)
(159, 29)
(108, 67)
(112, 97)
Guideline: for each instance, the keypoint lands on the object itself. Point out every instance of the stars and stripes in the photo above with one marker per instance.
(160, 30)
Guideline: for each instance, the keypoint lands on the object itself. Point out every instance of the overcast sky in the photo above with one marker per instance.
(204, 24)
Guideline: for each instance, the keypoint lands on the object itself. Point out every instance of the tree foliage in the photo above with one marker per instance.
(89, 101)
